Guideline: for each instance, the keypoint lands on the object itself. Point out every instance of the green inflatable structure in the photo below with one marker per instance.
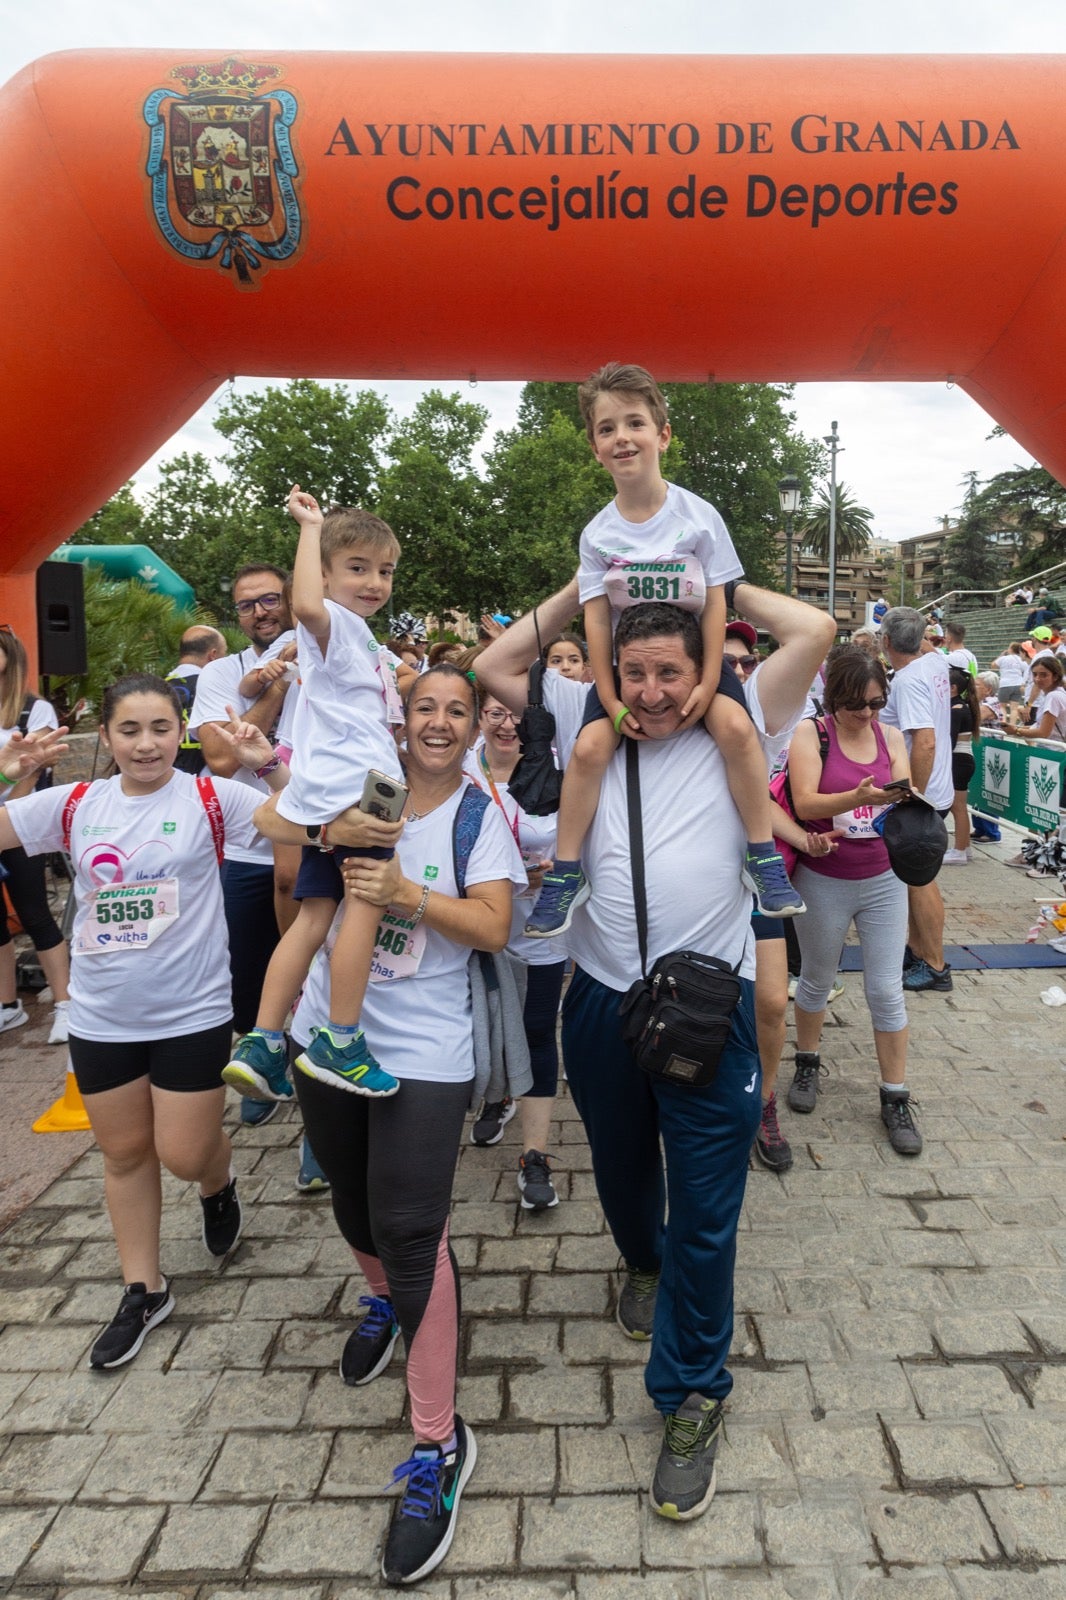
(121, 562)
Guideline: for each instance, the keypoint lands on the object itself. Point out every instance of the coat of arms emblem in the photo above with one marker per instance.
(222, 168)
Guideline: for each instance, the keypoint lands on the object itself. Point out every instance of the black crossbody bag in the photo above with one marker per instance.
(677, 1018)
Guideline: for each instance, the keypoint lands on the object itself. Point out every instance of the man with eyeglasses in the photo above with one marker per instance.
(919, 704)
(255, 884)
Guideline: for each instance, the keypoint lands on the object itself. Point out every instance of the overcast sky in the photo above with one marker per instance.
(907, 445)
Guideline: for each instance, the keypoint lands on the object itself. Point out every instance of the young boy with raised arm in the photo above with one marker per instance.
(654, 541)
(342, 574)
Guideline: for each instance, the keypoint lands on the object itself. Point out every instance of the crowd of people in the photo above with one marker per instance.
(328, 842)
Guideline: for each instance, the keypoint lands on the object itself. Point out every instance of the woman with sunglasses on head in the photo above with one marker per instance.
(855, 884)
(491, 766)
(24, 876)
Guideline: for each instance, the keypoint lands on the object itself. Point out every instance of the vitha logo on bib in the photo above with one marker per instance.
(222, 169)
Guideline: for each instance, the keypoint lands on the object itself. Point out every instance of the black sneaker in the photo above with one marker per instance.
(370, 1343)
(535, 1182)
(771, 1146)
(803, 1090)
(897, 1114)
(495, 1115)
(923, 976)
(636, 1304)
(138, 1313)
(222, 1219)
(423, 1524)
(684, 1482)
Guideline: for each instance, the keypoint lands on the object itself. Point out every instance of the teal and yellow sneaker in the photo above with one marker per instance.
(347, 1065)
(257, 1070)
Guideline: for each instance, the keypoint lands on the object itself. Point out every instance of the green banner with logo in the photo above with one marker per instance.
(1018, 782)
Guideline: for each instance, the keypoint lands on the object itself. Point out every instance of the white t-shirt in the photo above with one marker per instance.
(216, 688)
(340, 730)
(676, 556)
(694, 848)
(775, 744)
(42, 715)
(180, 983)
(420, 1026)
(962, 658)
(1013, 671)
(920, 697)
(1054, 702)
(535, 838)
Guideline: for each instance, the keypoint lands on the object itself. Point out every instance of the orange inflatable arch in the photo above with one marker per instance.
(175, 218)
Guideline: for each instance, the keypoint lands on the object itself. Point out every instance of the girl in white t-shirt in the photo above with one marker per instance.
(149, 951)
(1049, 680)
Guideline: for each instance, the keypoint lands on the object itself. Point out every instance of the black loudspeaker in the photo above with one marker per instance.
(61, 646)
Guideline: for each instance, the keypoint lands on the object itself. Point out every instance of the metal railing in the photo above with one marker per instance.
(1007, 588)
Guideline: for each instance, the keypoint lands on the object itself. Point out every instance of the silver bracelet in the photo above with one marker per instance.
(422, 904)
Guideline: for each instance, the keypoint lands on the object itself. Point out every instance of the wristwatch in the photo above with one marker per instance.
(313, 831)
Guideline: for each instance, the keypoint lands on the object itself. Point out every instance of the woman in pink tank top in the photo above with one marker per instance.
(855, 884)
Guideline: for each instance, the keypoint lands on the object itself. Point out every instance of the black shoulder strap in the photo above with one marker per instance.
(536, 671)
(24, 715)
(636, 848)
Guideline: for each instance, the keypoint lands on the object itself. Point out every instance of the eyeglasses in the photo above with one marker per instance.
(265, 602)
(878, 703)
(496, 717)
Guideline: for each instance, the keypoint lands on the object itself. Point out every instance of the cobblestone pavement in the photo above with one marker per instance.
(899, 1415)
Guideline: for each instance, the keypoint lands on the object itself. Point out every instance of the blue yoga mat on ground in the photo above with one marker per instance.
(977, 957)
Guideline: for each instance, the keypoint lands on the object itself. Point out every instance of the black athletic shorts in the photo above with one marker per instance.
(188, 1064)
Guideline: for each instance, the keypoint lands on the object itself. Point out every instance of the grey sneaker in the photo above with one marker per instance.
(803, 1090)
(636, 1304)
(897, 1114)
(684, 1482)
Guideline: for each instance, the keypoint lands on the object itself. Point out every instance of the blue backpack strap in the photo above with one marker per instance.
(465, 830)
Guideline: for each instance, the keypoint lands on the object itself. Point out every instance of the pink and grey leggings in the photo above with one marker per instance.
(391, 1164)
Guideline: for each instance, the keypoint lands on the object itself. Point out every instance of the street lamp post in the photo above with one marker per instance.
(832, 439)
(789, 492)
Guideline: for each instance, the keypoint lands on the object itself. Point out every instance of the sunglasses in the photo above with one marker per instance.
(878, 703)
(749, 663)
(265, 602)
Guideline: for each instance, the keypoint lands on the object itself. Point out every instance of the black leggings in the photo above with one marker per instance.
(29, 896)
(391, 1164)
(540, 1017)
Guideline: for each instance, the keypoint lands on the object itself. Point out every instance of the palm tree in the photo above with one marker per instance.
(853, 530)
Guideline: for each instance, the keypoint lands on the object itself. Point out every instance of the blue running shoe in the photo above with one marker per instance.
(346, 1066)
(560, 896)
(310, 1179)
(423, 1524)
(768, 881)
(257, 1070)
(370, 1343)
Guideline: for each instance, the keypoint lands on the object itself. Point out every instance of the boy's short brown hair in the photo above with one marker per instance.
(619, 377)
(345, 527)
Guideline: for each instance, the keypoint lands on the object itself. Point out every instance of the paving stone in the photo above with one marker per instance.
(361, 1463)
(797, 1338)
(865, 1246)
(271, 1400)
(275, 1299)
(179, 1465)
(20, 1530)
(36, 1467)
(28, 1264)
(599, 1339)
(570, 1293)
(816, 1528)
(756, 1394)
(522, 1461)
(1034, 1447)
(962, 1391)
(918, 1528)
(587, 1254)
(201, 1541)
(581, 1532)
(903, 1289)
(980, 1290)
(153, 1402)
(1031, 1523)
(510, 1339)
(898, 1584)
(31, 1305)
(1049, 1329)
(271, 1591)
(480, 1397)
(914, 1249)
(941, 1453)
(649, 1586)
(486, 1537)
(99, 1543)
(329, 1540)
(522, 1254)
(1042, 1583)
(332, 1404)
(216, 1345)
(43, 1406)
(52, 1348)
(558, 1394)
(754, 1456)
(757, 1289)
(869, 1334)
(593, 1460)
(725, 1536)
(493, 1292)
(980, 1333)
(832, 1451)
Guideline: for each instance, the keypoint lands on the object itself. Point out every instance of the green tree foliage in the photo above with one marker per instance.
(973, 557)
(321, 437)
(1028, 502)
(432, 497)
(129, 629)
(853, 525)
(117, 522)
